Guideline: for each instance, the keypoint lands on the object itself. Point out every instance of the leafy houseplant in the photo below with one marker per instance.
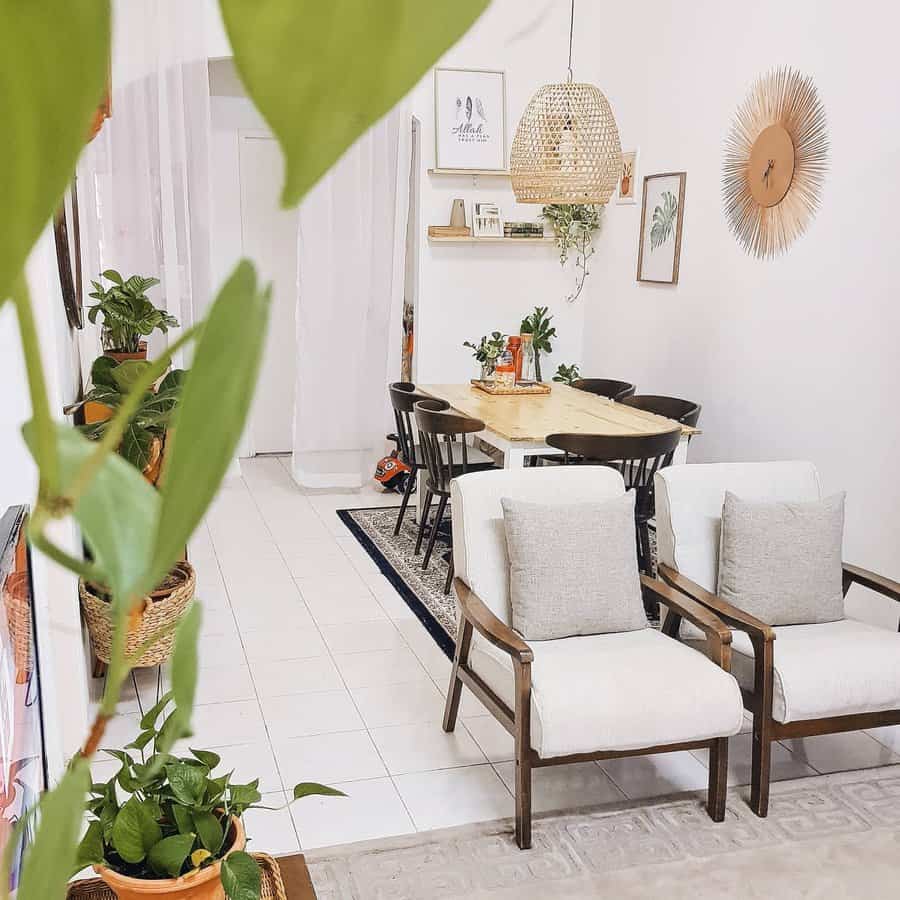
(567, 374)
(172, 821)
(128, 315)
(538, 326)
(486, 352)
(573, 226)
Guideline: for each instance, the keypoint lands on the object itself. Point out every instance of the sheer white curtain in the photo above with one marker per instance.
(144, 180)
(351, 260)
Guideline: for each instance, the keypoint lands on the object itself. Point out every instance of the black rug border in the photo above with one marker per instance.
(418, 608)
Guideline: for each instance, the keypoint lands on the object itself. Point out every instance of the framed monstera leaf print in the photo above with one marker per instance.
(662, 216)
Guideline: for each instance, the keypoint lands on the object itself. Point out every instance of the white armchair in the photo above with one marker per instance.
(796, 680)
(587, 697)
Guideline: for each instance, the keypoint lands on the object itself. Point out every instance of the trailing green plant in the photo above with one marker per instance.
(111, 383)
(161, 816)
(538, 326)
(573, 227)
(487, 350)
(567, 374)
(286, 52)
(128, 315)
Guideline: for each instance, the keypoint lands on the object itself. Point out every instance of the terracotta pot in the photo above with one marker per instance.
(204, 885)
(121, 356)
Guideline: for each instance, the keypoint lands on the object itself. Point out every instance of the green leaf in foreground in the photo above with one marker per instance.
(310, 789)
(168, 855)
(210, 416)
(51, 858)
(330, 70)
(240, 876)
(54, 63)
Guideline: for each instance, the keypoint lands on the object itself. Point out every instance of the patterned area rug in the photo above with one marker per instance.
(836, 836)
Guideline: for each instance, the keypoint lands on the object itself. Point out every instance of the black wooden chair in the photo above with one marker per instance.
(605, 387)
(445, 455)
(684, 411)
(637, 458)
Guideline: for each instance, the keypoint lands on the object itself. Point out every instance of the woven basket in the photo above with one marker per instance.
(164, 606)
(18, 621)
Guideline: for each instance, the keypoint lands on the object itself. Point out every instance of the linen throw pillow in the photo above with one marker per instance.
(573, 568)
(781, 562)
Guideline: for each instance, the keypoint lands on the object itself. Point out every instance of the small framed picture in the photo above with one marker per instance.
(486, 220)
(626, 191)
(662, 217)
(470, 119)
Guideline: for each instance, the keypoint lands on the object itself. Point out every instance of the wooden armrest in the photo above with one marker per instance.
(886, 586)
(733, 616)
(489, 626)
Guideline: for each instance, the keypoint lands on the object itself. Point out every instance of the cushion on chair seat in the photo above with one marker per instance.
(614, 692)
(831, 669)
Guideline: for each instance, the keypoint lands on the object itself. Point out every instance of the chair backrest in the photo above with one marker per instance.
(637, 457)
(404, 398)
(439, 429)
(685, 411)
(689, 507)
(479, 537)
(605, 387)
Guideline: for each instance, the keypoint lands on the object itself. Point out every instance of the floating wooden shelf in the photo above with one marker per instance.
(500, 173)
(491, 240)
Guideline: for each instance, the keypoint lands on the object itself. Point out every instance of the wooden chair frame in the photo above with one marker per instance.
(476, 616)
(759, 701)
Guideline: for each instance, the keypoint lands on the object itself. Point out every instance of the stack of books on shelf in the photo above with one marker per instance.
(523, 229)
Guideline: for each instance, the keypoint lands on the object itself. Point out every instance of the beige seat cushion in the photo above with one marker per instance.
(617, 692)
(832, 669)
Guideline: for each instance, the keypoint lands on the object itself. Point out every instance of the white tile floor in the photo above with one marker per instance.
(314, 669)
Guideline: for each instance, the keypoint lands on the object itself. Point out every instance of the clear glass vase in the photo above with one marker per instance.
(527, 357)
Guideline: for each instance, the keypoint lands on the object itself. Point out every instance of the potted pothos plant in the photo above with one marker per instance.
(169, 826)
(573, 226)
(127, 314)
(486, 352)
(538, 326)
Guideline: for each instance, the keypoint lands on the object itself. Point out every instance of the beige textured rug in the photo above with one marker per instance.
(834, 836)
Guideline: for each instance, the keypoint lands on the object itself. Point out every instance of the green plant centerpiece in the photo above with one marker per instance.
(567, 374)
(486, 352)
(163, 816)
(538, 326)
(128, 316)
(573, 227)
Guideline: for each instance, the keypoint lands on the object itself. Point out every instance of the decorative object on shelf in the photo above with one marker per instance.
(458, 213)
(567, 374)
(573, 226)
(486, 352)
(566, 148)
(659, 249)
(67, 237)
(470, 120)
(166, 827)
(626, 190)
(447, 231)
(776, 157)
(491, 387)
(486, 221)
(523, 229)
(128, 315)
(538, 326)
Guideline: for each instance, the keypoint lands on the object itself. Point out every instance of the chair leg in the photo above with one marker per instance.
(761, 762)
(718, 778)
(438, 518)
(523, 755)
(460, 658)
(450, 571)
(410, 481)
(426, 508)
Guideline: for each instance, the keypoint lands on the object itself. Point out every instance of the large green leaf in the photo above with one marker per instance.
(209, 830)
(90, 850)
(240, 876)
(51, 858)
(322, 73)
(135, 831)
(188, 783)
(53, 62)
(311, 789)
(168, 856)
(210, 416)
(118, 512)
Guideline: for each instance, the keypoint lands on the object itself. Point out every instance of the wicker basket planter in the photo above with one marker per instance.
(163, 606)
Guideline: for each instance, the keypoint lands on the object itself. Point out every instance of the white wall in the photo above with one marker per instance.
(792, 358)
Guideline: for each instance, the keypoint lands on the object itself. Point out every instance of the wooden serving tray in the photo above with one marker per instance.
(272, 887)
(517, 389)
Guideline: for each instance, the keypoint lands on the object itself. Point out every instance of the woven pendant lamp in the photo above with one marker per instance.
(566, 148)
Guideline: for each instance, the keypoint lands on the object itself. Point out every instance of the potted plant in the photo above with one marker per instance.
(567, 374)
(167, 826)
(539, 327)
(573, 227)
(486, 352)
(128, 315)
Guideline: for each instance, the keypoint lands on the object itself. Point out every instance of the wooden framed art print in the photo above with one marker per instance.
(662, 217)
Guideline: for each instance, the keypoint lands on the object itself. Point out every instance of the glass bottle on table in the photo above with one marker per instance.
(514, 345)
(526, 351)
(505, 371)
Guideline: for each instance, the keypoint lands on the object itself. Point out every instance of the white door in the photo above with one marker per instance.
(269, 237)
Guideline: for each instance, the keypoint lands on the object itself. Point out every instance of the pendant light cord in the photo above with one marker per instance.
(571, 31)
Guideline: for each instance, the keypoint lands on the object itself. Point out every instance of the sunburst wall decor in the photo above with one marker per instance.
(776, 157)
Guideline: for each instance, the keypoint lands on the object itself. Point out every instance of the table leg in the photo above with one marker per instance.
(513, 458)
(680, 457)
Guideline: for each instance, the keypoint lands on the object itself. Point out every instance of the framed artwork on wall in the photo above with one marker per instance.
(627, 188)
(470, 120)
(662, 217)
